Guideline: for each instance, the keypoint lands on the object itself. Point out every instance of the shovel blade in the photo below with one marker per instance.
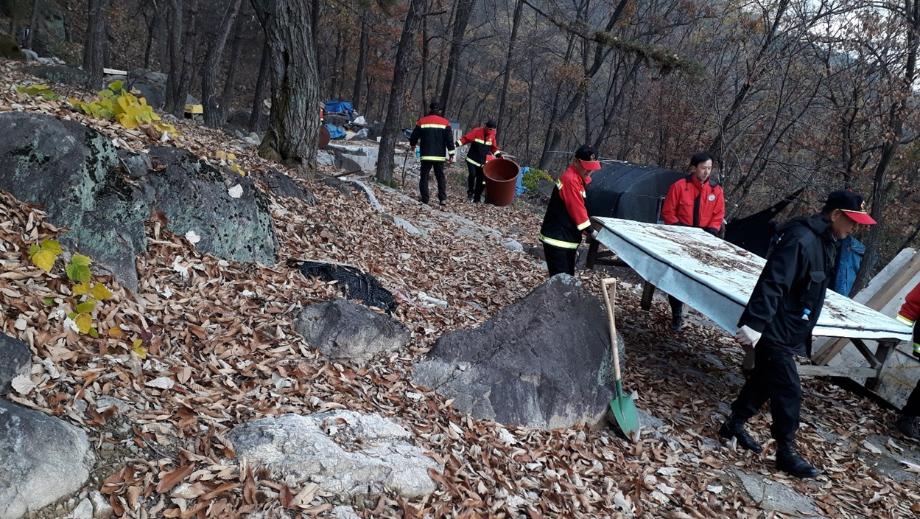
(624, 414)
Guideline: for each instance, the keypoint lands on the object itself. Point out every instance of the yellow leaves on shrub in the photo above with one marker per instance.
(83, 321)
(44, 254)
(131, 111)
(100, 292)
(77, 269)
(229, 160)
(38, 90)
(116, 332)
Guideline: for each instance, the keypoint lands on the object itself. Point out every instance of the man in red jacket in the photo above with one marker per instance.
(483, 142)
(695, 201)
(909, 314)
(566, 218)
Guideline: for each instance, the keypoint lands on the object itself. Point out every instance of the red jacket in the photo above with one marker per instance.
(484, 143)
(680, 205)
(910, 310)
(566, 217)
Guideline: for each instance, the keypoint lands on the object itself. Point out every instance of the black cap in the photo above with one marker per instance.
(851, 204)
(434, 106)
(491, 123)
(588, 156)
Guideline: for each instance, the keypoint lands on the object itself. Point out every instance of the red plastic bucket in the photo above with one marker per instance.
(500, 181)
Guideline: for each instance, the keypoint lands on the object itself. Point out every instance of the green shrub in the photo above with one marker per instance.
(533, 176)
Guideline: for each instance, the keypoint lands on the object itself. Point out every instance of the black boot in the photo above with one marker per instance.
(907, 425)
(677, 320)
(735, 429)
(789, 461)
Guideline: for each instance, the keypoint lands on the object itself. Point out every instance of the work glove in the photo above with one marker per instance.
(748, 336)
(498, 154)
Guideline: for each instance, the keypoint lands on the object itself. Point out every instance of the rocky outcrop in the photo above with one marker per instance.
(343, 330)
(346, 454)
(541, 362)
(15, 360)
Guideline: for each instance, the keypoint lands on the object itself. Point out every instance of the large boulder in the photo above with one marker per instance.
(282, 185)
(542, 362)
(104, 196)
(343, 330)
(355, 159)
(150, 84)
(15, 360)
(346, 454)
(59, 74)
(43, 458)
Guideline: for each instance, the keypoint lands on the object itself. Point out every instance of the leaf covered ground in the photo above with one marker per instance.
(219, 349)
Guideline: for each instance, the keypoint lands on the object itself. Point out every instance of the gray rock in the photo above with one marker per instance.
(283, 185)
(253, 138)
(43, 458)
(59, 74)
(15, 360)
(150, 85)
(343, 330)
(773, 496)
(889, 462)
(101, 507)
(193, 196)
(542, 362)
(324, 158)
(344, 512)
(407, 226)
(29, 55)
(649, 421)
(103, 197)
(512, 245)
(345, 453)
(355, 159)
(84, 510)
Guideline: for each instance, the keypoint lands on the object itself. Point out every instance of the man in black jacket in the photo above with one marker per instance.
(779, 318)
(435, 139)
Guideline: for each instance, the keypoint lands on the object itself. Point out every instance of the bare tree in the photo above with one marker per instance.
(515, 22)
(94, 45)
(213, 108)
(462, 11)
(255, 116)
(397, 88)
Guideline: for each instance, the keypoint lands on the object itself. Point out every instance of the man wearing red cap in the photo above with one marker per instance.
(778, 320)
(566, 218)
(910, 314)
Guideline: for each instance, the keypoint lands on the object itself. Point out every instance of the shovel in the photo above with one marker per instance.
(402, 182)
(622, 406)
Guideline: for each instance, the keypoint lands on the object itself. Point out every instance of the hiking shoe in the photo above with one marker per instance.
(733, 429)
(907, 425)
(790, 462)
(442, 203)
(677, 322)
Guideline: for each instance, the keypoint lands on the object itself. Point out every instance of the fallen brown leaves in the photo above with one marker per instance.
(221, 345)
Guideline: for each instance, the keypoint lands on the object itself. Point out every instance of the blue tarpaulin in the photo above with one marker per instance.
(335, 132)
(339, 107)
(519, 188)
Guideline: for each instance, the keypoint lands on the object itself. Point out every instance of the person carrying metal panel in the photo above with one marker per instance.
(566, 218)
(779, 318)
(695, 201)
(483, 142)
(910, 314)
(435, 139)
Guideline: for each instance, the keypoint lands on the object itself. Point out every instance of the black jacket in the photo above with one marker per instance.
(788, 297)
(435, 138)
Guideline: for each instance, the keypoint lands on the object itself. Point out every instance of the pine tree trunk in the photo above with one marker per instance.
(189, 41)
(230, 81)
(464, 10)
(294, 120)
(174, 51)
(362, 61)
(516, 21)
(94, 45)
(255, 116)
(212, 106)
(33, 24)
(397, 89)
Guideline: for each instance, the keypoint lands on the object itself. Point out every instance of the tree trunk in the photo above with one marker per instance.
(397, 88)
(214, 107)
(293, 121)
(424, 69)
(152, 24)
(255, 116)
(94, 43)
(33, 24)
(190, 40)
(516, 21)
(362, 61)
(174, 50)
(464, 9)
(230, 81)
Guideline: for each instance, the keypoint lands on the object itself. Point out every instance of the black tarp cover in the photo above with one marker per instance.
(629, 191)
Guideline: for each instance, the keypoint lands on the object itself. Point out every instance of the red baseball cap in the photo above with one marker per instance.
(588, 157)
(850, 204)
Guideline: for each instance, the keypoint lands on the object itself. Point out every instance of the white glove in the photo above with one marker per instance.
(748, 336)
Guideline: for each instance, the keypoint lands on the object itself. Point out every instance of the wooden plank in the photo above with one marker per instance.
(810, 370)
(867, 353)
(885, 348)
(648, 292)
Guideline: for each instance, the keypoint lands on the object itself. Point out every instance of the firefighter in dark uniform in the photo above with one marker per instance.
(910, 314)
(435, 139)
(778, 320)
(566, 217)
(483, 142)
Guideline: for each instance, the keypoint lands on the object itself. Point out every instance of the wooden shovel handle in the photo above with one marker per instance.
(610, 301)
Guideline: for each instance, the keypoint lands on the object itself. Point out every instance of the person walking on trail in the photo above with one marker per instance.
(483, 143)
(566, 218)
(778, 320)
(695, 201)
(435, 139)
(910, 314)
